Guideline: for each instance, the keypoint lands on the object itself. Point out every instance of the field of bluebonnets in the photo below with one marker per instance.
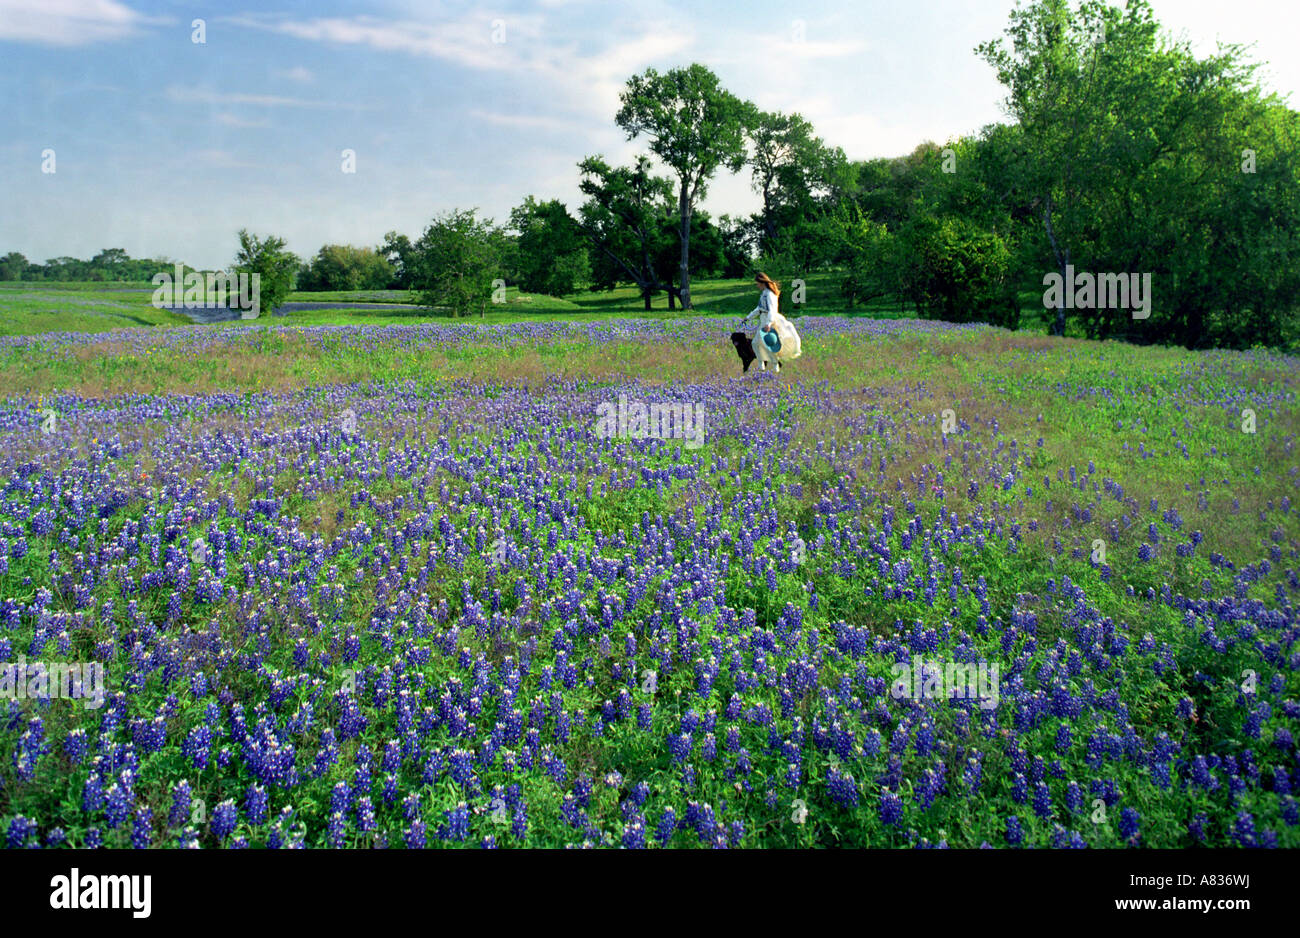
(389, 586)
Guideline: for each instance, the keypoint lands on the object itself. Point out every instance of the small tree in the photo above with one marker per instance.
(275, 266)
(959, 272)
(456, 260)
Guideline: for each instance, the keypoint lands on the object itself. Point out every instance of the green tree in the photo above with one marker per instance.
(111, 262)
(707, 250)
(1052, 71)
(276, 267)
(959, 272)
(13, 266)
(797, 175)
(344, 267)
(865, 252)
(400, 254)
(455, 262)
(622, 222)
(737, 246)
(696, 127)
(552, 252)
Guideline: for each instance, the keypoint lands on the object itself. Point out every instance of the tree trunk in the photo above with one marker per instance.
(1062, 262)
(769, 223)
(684, 277)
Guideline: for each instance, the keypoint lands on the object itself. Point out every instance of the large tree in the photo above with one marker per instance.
(696, 127)
(1052, 72)
(400, 254)
(791, 169)
(1131, 153)
(621, 220)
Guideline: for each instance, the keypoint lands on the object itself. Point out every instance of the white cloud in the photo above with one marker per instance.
(584, 83)
(302, 76)
(188, 95)
(68, 22)
(467, 41)
(526, 121)
(220, 159)
(232, 120)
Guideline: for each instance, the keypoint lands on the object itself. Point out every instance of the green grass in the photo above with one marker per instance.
(33, 308)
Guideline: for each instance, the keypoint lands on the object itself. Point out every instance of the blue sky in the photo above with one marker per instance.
(168, 147)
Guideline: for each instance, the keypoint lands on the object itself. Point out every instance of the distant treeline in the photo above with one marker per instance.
(109, 265)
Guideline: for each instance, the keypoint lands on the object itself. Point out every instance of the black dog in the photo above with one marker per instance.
(744, 348)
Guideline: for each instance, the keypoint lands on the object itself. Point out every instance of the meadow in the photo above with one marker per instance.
(366, 580)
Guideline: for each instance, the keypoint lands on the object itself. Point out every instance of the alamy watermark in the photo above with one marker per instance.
(919, 679)
(68, 680)
(660, 421)
(102, 891)
(1085, 290)
(215, 290)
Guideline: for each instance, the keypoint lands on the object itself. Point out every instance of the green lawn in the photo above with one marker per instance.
(36, 307)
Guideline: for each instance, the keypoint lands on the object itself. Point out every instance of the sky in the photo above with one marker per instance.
(166, 146)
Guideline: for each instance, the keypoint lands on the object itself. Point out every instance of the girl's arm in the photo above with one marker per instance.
(767, 305)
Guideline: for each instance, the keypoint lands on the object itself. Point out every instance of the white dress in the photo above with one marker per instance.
(767, 313)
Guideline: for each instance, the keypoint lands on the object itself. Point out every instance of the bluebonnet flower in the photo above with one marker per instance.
(180, 808)
(20, 830)
(667, 825)
(891, 808)
(458, 822)
(1243, 830)
(842, 787)
(224, 818)
(1042, 801)
(1128, 825)
(119, 805)
(256, 804)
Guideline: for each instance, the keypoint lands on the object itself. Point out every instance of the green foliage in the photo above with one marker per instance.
(623, 222)
(958, 272)
(400, 254)
(276, 267)
(804, 184)
(456, 260)
(1134, 161)
(344, 267)
(111, 265)
(865, 251)
(695, 127)
(12, 266)
(552, 253)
